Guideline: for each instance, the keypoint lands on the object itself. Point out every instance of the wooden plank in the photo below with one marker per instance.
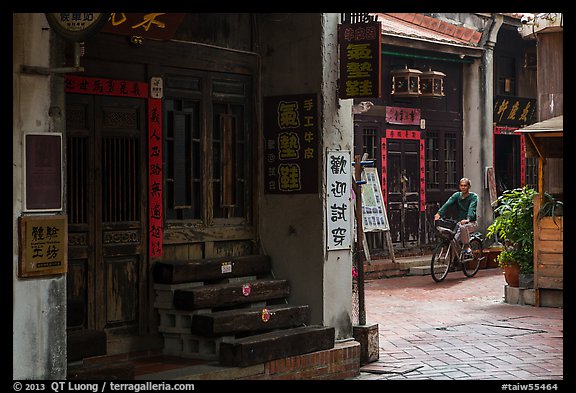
(550, 270)
(549, 258)
(551, 246)
(550, 234)
(276, 345)
(224, 295)
(177, 271)
(244, 320)
(551, 282)
(548, 223)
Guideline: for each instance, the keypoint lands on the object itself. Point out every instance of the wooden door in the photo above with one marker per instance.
(107, 266)
(403, 177)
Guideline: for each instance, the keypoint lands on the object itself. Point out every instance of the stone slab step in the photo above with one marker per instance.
(279, 344)
(248, 320)
(108, 371)
(230, 294)
(179, 271)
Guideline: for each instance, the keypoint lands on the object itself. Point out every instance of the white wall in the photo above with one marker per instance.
(39, 315)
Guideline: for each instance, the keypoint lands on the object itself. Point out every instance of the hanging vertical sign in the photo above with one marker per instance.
(291, 144)
(155, 177)
(360, 60)
(338, 201)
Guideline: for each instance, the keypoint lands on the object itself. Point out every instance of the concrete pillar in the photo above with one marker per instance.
(39, 304)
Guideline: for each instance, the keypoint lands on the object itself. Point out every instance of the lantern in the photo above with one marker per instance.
(405, 82)
(432, 83)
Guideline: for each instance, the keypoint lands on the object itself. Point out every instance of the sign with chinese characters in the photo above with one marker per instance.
(43, 245)
(43, 170)
(291, 144)
(374, 217)
(76, 26)
(105, 86)
(360, 60)
(155, 177)
(155, 25)
(406, 116)
(514, 111)
(338, 201)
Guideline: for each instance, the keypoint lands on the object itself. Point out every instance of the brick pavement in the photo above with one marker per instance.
(460, 329)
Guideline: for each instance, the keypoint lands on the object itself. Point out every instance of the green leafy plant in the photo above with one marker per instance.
(551, 207)
(514, 227)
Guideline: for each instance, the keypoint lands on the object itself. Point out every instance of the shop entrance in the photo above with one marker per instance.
(106, 195)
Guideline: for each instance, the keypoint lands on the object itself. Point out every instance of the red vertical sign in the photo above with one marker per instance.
(155, 177)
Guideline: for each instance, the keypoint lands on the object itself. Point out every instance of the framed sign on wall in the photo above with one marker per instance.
(43, 171)
(43, 245)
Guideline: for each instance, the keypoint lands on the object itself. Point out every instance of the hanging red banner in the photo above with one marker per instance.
(105, 86)
(155, 177)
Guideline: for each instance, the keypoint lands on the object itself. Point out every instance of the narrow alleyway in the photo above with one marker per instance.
(460, 329)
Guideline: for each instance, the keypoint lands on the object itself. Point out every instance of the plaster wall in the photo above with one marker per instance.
(39, 315)
(299, 55)
(478, 88)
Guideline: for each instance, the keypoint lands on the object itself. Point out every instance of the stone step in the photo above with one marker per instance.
(109, 371)
(180, 271)
(273, 345)
(230, 294)
(250, 320)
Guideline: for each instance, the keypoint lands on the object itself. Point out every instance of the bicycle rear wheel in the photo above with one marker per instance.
(470, 266)
(441, 260)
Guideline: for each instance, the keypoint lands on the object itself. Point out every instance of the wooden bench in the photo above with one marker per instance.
(276, 345)
(231, 294)
(250, 320)
(177, 272)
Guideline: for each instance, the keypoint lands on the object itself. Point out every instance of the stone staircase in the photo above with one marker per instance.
(232, 310)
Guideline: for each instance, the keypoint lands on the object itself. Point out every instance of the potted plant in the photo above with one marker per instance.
(550, 207)
(514, 226)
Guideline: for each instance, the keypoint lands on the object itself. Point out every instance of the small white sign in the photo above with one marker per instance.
(156, 87)
(226, 267)
(338, 201)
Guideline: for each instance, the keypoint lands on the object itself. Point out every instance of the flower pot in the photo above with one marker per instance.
(491, 255)
(512, 275)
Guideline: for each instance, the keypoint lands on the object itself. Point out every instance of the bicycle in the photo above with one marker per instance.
(449, 251)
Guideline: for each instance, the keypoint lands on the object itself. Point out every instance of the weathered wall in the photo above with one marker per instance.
(299, 55)
(38, 319)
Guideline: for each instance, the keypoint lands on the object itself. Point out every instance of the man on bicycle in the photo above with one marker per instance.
(466, 203)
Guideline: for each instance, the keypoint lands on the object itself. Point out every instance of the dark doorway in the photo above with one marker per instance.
(106, 168)
(507, 162)
(403, 185)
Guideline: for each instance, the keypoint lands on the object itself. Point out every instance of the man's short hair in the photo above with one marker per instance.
(466, 180)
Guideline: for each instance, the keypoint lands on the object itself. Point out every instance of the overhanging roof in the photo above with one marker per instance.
(554, 124)
(424, 32)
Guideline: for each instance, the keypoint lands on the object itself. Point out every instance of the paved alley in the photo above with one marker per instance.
(460, 329)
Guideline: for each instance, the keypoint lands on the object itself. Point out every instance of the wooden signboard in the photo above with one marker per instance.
(43, 245)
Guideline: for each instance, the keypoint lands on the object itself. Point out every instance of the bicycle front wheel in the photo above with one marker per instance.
(441, 260)
(470, 266)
